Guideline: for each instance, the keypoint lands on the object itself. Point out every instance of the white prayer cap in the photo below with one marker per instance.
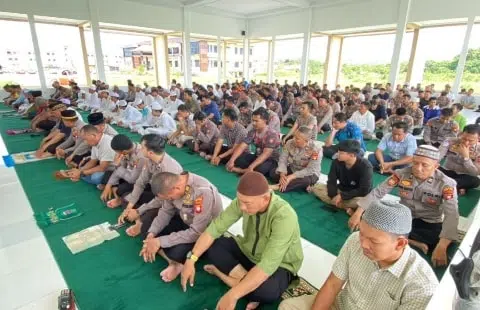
(114, 94)
(137, 102)
(173, 93)
(103, 91)
(122, 103)
(148, 89)
(93, 87)
(138, 86)
(156, 106)
(417, 100)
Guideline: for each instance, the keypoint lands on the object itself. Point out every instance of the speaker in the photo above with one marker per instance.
(244, 33)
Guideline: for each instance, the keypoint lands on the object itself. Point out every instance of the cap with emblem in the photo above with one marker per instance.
(122, 103)
(156, 106)
(253, 184)
(428, 151)
(69, 115)
(95, 118)
(389, 216)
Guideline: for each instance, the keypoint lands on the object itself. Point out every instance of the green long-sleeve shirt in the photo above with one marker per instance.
(270, 239)
(461, 121)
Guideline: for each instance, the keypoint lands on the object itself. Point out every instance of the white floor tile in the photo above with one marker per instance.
(15, 205)
(49, 301)
(317, 265)
(19, 232)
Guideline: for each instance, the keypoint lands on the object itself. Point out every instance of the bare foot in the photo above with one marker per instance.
(275, 187)
(171, 272)
(252, 305)
(419, 245)
(309, 189)
(462, 191)
(114, 203)
(349, 211)
(74, 179)
(101, 187)
(211, 269)
(134, 230)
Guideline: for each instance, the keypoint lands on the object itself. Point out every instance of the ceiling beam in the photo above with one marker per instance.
(295, 3)
(196, 3)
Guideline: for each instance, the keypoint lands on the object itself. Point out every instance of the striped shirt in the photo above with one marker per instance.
(232, 136)
(407, 284)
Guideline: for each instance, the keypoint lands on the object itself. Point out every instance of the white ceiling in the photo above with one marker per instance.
(244, 8)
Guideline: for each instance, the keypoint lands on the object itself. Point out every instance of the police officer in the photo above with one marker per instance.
(399, 116)
(184, 206)
(299, 163)
(463, 158)
(432, 198)
(438, 129)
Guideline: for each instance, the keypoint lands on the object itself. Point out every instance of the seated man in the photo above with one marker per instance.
(190, 102)
(431, 111)
(379, 111)
(293, 112)
(230, 104)
(101, 159)
(46, 119)
(129, 162)
(458, 117)
(299, 163)
(342, 130)
(323, 113)
(417, 115)
(210, 109)
(171, 104)
(432, 198)
(262, 263)
(349, 108)
(185, 127)
(205, 135)
(463, 158)
(350, 178)
(184, 206)
(56, 136)
(399, 116)
(266, 142)
(364, 119)
(468, 100)
(305, 118)
(157, 122)
(75, 125)
(92, 102)
(129, 115)
(245, 116)
(440, 128)
(395, 150)
(232, 135)
(380, 251)
(153, 149)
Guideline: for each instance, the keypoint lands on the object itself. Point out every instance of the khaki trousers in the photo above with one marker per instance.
(320, 190)
(304, 302)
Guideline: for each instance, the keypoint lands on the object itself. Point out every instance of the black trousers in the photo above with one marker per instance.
(224, 160)
(296, 184)
(225, 255)
(244, 160)
(464, 181)
(52, 148)
(326, 128)
(145, 197)
(289, 122)
(176, 253)
(46, 125)
(78, 158)
(123, 187)
(427, 233)
(202, 147)
(417, 131)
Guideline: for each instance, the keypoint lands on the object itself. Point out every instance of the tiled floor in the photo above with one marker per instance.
(30, 278)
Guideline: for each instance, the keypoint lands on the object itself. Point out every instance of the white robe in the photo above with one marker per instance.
(130, 116)
(171, 107)
(163, 125)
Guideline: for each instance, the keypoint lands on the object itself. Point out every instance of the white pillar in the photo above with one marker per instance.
(86, 65)
(403, 13)
(162, 67)
(306, 49)
(224, 61)
(38, 55)
(463, 55)
(187, 74)
(219, 61)
(333, 61)
(271, 55)
(246, 59)
(97, 41)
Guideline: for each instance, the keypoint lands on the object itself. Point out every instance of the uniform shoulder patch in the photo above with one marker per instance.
(393, 180)
(198, 205)
(447, 192)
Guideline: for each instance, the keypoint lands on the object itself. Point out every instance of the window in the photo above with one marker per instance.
(237, 64)
(241, 50)
(176, 63)
(215, 49)
(197, 63)
(287, 59)
(318, 54)
(259, 59)
(215, 64)
(251, 51)
(250, 65)
(176, 50)
(236, 50)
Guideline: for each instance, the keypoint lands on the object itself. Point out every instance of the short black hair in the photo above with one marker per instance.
(458, 106)
(154, 143)
(309, 104)
(243, 105)
(472, 129)
(401, 125)
(188, 92)
(446, 112)
(401, 111)
(183, 108)
(340, 117)
(432, 99)
(349, 146)
(199, 116)
(229, 98)
(263, 113)
(367, 104)
(121, 143)
(90, 129)
(231, 114)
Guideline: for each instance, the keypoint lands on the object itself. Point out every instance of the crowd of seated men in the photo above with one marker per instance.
(237, 125)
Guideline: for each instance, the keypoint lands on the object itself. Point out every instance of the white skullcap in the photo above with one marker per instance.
(137, 102)
(417, 100)
(389, 216)
(148, 89)
(93, 87)
(173, 93)
(122, 103)
(156, 106)
(114, 94)
(138, 86)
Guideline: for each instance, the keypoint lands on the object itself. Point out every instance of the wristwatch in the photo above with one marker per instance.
(192, 257)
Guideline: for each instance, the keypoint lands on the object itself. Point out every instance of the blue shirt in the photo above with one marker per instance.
(351, 131)
(430, 113)
(380, 112)
(398, 150)
(212, 108)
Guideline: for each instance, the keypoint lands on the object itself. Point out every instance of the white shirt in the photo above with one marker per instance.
(164, 121)
(140, 95)
(131, 115)
(171, 107)
(365, 121)
(259, 104)
(103, 151)
(93, 102)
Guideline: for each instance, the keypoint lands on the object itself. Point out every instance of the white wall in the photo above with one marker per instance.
(291, 23)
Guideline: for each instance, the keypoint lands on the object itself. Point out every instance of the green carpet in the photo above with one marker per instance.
(112, 276)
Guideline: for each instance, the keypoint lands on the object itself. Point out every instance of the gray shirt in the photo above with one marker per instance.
(436, 131)
(200, 204)
(302, 162)
(433, 200)
(130, 167)
(457, 162)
